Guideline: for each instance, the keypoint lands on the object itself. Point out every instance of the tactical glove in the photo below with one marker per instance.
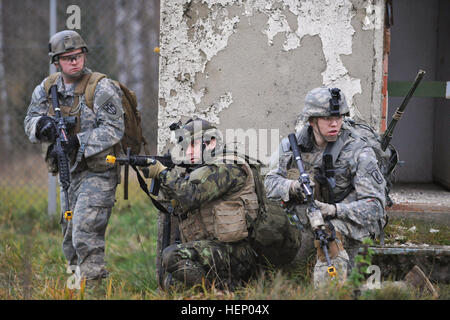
(315, 218)
(46, 129)
(296, 191)
(155, 170)
(72, 145)
(328, 210)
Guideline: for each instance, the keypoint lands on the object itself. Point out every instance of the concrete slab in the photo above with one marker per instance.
(396, 261)
(427, 202)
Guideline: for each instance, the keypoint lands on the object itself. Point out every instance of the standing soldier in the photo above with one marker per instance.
(350, 189)
(217, 204)
(98, 128)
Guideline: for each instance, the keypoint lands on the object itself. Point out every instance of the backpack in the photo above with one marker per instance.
(387, 159)
(132, 137)
(272, 235)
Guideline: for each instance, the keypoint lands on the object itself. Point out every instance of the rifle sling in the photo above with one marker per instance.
(144, 187)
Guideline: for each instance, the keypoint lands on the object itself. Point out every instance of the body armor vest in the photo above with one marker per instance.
(224, 219)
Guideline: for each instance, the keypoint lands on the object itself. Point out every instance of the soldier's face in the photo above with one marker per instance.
(326, 129)
(194, 150)
(72, 63)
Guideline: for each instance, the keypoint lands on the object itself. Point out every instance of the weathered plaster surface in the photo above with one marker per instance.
(184, 53)
(197, 34)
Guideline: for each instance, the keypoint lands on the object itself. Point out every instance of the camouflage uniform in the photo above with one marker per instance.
(93, 181)
(225, 263)
(360, 214)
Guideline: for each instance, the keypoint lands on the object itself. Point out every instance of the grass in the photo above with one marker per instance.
(32, 265)
(401, 231)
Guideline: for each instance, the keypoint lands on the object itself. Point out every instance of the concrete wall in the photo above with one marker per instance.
(420, 135)
(441, 151)
(249, 64)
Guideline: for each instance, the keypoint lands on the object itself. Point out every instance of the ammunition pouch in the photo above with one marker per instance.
(230, 223)
(192, 228)
(324, 188)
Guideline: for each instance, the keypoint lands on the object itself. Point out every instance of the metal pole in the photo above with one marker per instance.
(51, 178)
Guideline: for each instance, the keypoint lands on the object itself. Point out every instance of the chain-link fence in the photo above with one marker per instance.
(121, 37)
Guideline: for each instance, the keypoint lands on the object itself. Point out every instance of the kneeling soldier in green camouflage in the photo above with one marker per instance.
(217, 204)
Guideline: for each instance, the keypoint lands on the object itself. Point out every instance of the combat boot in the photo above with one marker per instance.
(417, 279)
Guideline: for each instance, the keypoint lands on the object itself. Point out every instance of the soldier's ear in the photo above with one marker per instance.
(212, 143)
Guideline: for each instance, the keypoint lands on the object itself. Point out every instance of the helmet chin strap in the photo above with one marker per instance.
(204, 145)
(317, 132)
(73, 77)
(203, 150)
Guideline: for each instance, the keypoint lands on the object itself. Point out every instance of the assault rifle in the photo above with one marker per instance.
(60, 152)
(314, 214)
(145, 161)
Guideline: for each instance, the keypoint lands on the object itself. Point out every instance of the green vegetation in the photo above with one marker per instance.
(32, 265)
(402, 231)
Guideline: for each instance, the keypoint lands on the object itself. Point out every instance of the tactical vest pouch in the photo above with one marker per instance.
(251, 205)
(229, 221)
(192, 228)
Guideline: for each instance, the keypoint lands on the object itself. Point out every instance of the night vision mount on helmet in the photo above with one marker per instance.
(195, 128)
(324, 102)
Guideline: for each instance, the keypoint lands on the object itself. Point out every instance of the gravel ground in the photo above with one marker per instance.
(426, 194)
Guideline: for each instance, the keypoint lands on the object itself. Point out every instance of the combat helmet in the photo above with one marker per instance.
(324, 102)
(65, 41)
(196, 128)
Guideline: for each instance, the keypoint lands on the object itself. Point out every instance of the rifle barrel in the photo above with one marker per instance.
(304, 178)
(298, 158)
(140, 161)
(387, 137)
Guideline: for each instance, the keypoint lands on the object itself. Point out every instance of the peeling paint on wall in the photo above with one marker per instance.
(194, 32)
(373, 13)
(184, 53)
(374, 21)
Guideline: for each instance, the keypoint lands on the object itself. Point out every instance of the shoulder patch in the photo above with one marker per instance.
(109, 107)
(376, 175)
(200, 175)
(103, 96)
